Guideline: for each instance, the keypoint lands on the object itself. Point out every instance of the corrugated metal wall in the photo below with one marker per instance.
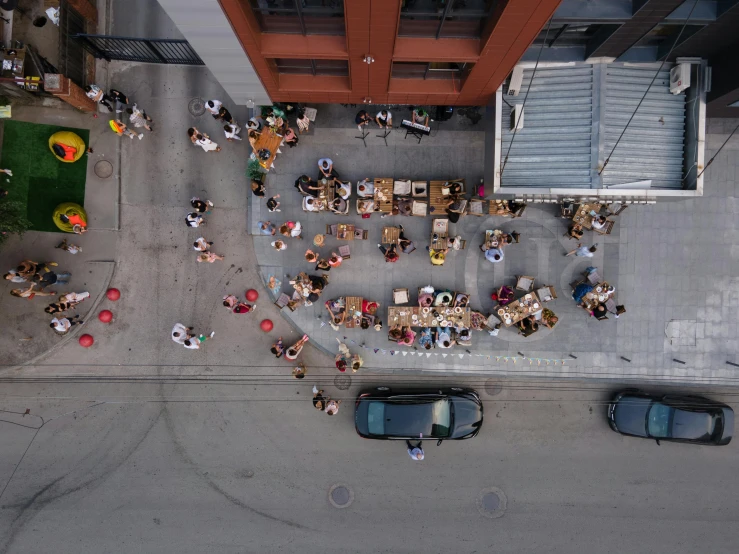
(652, 147)
(554, 147)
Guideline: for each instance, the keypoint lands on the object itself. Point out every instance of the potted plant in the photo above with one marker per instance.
(254, 171)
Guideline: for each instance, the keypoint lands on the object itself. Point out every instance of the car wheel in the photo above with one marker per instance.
(383, 388)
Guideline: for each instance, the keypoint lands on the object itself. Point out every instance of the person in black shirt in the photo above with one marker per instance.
(362, 119)
(306, 185)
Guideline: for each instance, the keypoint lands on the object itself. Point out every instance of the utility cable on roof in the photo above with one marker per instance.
(716, 154)
(528, 89)
(664, 60)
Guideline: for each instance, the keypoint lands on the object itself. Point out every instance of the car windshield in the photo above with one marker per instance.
(410, 418)
(659, 421)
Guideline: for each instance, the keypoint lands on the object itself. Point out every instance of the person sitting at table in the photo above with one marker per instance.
(454, 209)
(366, 188)
(291, 139)
(455, 243)
(384, 119)
(528, 326)
(409, 337)
(406, 245)
(548, 318)
(438, 256)
(253, 136)
(343, 190)
(326, 167)
(494, 255)
(395, 333)
(580, 291)
(443, 338)
(365, 206)
(307, 186)
(443, 298)
(420, 116)
(425, 300)
(311, 204)
(391, 256)
(599, 222)
(600, 312)
(369, 307)
(575, 231)
(453, 188)
(362, 118)
(463, 336)
(503, 296)
(462, 300)
(254, 125)
(338, 206)
(425, 340)
(404, 206)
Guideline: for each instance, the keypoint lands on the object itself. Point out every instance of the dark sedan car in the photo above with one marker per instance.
(453, 413)
(673, 418)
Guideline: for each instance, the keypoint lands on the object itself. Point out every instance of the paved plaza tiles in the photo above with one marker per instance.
(674, 266)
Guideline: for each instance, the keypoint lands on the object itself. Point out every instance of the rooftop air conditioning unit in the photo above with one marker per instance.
(517, 117)
(514, 87)
(679, 78)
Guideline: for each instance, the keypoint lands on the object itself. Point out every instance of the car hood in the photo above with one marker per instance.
(630, 415)
(467, 417)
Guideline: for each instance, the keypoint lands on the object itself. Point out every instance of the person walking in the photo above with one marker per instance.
(232, 131)
(303, 122)
(293, 351)
(15, 277)
(120, 129)
(96, 94)
(335, 260)
(29, 293)
(67, 247)
(51, 278)
(319, 401)
(119, 99)
(201, 244)
(201, 206)
(194, 219)
(209, 257)
(213, 106)
(332, 407)
(273, 205)
(267, 228)
(62, 325)
(583, 251)
(279, 245)
(243, 308)
(278, 348)
(415, 452)
(203, 140)
(258, 188)
(180, 333)
(193, 343)
(139, 118)
(225, 116)
(299, 371)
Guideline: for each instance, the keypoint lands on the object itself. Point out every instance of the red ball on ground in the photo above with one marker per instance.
(252, 295)
(113, 294)
(266, 325)
(86, 340)
(106, 316)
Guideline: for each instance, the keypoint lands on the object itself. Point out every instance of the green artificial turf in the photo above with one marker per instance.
(40, 180)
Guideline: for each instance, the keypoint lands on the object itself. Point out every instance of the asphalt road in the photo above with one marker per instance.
(247, 467)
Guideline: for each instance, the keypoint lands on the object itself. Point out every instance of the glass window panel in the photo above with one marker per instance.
(295, 66)
(319, 17)
(332, 67)
(409, 70)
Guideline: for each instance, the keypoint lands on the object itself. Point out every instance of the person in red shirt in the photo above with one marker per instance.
(391, 256)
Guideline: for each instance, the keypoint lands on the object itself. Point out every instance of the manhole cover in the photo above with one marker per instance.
(196, 106)
(492, 503)
(340, 496)
(342, 382)
(103, 169)
(493, 387)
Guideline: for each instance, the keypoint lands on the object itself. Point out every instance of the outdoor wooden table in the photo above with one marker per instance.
(271, 141)
(583, 217)
(440, 230)
(499, 207)
(403, 315)
(345, 231)
(591, 299)
(353, 311)
(390, 235)
(525, 306)
(493, 239)
(302, 284)
(327, 192)
(384, 195)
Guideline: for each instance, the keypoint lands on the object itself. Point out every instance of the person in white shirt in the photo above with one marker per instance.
(296, 230)
(415, 452)
(14, 277)
(326, 166)
(62, 325)
(193, 343)
(443, 338)
(213, 106)
(232, 131)
(599, 222)
(201, 244)
(139, 118)
(583, 251)
(194, 219)
(180, 333)
(384, 119)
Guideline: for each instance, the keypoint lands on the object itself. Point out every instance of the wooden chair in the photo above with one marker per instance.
(616, 208)
(567, 209)
(524, 283)
(607, 229)
(594, 277)
(601, 317)
(282, 301)
(330, 230)
(420, 189)
(402, 187)
(476, 207)
(547, 291)
(401, 296)
(419, 209)
(345, 252)
(519, 211)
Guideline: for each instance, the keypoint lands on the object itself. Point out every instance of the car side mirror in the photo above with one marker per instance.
(439, 442)
(657, 441)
